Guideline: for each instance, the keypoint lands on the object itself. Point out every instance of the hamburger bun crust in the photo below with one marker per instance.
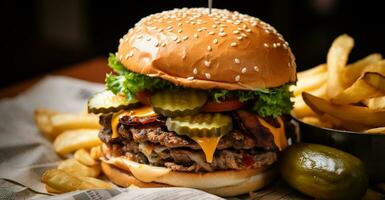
(194, 49)
(221, 183)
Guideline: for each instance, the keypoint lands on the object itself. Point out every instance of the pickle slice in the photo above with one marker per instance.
(201, 125)
(106, 102)
(172, 103)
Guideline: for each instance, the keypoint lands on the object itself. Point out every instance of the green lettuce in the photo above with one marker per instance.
(271, 102)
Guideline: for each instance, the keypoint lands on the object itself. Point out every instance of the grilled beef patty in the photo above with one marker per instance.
(153, 144)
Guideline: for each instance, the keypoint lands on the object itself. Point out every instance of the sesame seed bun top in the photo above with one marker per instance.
(195, 49)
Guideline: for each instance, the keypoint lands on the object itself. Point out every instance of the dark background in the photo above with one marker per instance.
(38, 36)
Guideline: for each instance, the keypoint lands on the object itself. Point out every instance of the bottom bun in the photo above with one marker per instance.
(229, 183)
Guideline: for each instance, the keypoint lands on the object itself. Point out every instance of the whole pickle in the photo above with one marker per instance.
(323, 172)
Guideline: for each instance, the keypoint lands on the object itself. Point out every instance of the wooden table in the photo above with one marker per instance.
(92, 70)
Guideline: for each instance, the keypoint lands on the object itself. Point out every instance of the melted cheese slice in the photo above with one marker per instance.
(145, 173)
(139, 112)
(208, 145)
(278, 133)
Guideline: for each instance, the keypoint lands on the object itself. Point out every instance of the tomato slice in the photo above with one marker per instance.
(226, 105)
(144, 97)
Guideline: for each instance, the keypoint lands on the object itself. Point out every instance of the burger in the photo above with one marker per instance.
(198, 100)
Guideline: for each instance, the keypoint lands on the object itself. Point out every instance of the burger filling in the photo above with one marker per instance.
(191, 130)
(153, 144)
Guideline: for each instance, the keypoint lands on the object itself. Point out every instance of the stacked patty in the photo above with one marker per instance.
(147, 140)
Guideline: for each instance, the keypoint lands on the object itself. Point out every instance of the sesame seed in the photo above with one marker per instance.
(248, 30)
(235, 31)
(175, 38)
(239, 37)
(209, 48)
(221, 29)
(140, 36)
(163, 44)
(222, 34)
(244, 70)
(214, 26)
(215, 41)
(196, 35)
(199, 30)
(148, 39)
(237, 61)
(156, 44)
(179, 30)
(208, 75)
(278, 44)
(244, 35)
(211, 33)
(195, 71)
(185, 37)
(237, 78)
(233, 44)
(265, 44)
(267, 31)
(256, 68)
(180, 24)
(254, 24)
(121, 40)
(130, 54)
(274, 45)
(178, 41)
(207, 63)
(244, 26)
(190, 78)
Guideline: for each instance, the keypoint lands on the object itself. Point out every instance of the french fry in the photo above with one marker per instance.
(62, 181)
(315, 121)
(355, 114)
(301, 109)
(379, 130)
(360, 90)
(76, 168)
(52, 123)
(376, 80)
(96, 152)
(72, 140)
(51, 190)
(84, 158)
(96, 183)
(43, 122)
(353, 71)
(309, 83)
(336, 60)
(66, 121)
(376, 103)
(319, 69)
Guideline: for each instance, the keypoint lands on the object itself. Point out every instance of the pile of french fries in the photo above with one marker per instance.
(340, 95)
(75, 139)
